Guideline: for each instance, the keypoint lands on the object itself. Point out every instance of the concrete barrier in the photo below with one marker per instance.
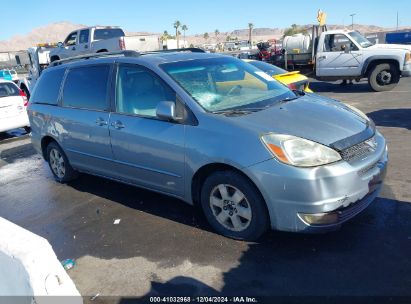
(30, 271)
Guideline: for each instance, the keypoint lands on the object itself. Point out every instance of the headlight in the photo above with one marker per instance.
(357, 111)
(298, 151)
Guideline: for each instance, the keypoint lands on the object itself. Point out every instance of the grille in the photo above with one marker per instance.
(360, 150)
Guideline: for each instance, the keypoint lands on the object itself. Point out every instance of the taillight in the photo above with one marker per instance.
(121, 43)
(24, 96)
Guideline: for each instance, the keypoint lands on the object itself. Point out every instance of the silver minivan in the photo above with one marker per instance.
(213, 131)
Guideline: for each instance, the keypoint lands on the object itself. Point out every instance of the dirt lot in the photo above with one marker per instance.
(163, 247)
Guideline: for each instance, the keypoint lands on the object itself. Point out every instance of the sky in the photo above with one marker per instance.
(200, 16)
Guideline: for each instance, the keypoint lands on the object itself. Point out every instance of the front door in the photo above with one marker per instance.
(148, 151)
(83, 119)
(336, 60)
(83, 42)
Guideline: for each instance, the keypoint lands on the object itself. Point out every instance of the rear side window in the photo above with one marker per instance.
(8, 89)
(87, 87)
(48, 87)
(100, 34)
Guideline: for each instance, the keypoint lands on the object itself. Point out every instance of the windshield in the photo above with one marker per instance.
(266, 67)
(223, 83)
(360, 39)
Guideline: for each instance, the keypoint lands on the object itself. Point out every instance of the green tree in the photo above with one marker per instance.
(216, 33)
(177, 25)
(294, 29)
(184, 29)
(206, 36)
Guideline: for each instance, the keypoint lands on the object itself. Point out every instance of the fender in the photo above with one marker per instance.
(370, 59)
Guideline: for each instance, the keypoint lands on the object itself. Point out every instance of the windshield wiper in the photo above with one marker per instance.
(235, 111)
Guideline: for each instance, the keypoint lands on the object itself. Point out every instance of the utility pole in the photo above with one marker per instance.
(397, 20)
(352, 20)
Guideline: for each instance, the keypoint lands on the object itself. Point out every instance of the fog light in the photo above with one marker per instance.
(319, 218)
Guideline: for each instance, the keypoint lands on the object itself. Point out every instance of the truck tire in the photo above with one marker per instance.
(233, 206)
(383, 77)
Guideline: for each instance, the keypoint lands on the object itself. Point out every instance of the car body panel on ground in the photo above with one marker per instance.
(294, 80)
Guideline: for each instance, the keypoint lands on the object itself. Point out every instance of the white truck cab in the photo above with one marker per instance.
(39, 59)
(346, 54)
(99, 39)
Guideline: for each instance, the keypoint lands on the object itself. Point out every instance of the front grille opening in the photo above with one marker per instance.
(359, 151)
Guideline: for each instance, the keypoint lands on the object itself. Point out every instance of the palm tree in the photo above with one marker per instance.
(206, 36)
(250, 32)
(165, 37)
(184, 28)
(176, 25)
(216, 33)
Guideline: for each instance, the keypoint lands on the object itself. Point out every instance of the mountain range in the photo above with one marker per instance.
(56, 32)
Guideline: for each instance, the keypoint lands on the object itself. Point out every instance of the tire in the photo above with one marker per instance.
(241, 219)
(27, 129)
(56, 160)
(383, 77)
(54, 58)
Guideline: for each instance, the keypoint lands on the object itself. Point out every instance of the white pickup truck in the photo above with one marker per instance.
(39, 59)
(346, 55)
(103, 39)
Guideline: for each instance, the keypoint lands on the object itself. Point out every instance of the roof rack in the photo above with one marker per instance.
(126, 53)
(191, 49)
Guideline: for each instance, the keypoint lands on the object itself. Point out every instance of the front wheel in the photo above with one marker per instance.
(233, 206)
(59, 164)
(384, 77)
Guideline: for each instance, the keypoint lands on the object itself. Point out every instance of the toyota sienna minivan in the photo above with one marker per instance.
(213, 131)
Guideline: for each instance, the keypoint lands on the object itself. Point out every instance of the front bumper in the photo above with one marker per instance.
(406, 72)
(344, 189)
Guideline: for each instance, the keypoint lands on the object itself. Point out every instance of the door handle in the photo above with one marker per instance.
(101, 122)
(322, 57)
(117, 125)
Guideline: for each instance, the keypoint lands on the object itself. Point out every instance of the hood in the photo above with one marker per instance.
(312, 117)
(391, 46)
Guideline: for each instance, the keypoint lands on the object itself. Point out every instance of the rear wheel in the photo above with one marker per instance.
(233, 206)
(59, 164)
(383, 77)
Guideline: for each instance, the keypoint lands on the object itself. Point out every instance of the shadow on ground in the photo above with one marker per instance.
(398, 118)
(368, 257)
(336, 87)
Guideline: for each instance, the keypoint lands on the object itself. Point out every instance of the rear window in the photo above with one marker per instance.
(8, 89)
(101, 34)
(87, 87)
(48, 86)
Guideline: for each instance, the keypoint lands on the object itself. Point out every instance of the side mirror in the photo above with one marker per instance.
(166, 110)
(60, 44)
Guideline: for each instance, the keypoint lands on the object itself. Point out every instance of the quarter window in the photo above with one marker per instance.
(139, 91)
(48, 87)
(87, 87)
